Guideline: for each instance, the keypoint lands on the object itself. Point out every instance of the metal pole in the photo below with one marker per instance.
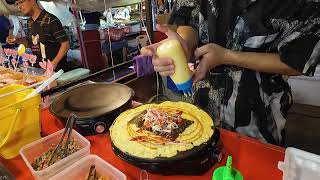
(83, 53)
(169, 2)
(149, 17)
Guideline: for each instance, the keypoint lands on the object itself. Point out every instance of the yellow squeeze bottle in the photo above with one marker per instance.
(182, 76)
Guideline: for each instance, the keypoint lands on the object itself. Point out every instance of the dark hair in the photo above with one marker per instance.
(10, 2)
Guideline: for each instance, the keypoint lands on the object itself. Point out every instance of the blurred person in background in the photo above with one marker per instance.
(4, 28)
(45, 35)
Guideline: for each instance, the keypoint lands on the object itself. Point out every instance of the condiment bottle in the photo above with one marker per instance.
(182, 76)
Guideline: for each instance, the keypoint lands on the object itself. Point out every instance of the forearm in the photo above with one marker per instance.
(190, 35)
(261, 62)
(62, 52)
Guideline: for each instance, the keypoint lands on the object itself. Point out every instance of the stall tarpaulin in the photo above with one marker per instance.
(7, 9)
(89, 5)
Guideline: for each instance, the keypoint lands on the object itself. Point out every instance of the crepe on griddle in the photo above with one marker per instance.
(185, 126)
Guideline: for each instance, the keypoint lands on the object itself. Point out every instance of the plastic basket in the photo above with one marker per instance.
(300, 165)
(33, 150)
(19, 119)
(80, 169)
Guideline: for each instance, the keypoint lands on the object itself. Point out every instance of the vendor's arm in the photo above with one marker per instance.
(61, 37)
(62, 53)
(190, 35)
(186, 34)
(212, 55)
(300, 56)
(261, 62)
(13, 40)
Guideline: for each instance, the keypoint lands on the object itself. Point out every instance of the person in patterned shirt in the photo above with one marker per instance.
(244, 49)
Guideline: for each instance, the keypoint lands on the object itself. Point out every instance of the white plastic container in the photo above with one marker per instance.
(136, 28)
(300, 165)
(35, 149)
(80, 169)
(305, 88)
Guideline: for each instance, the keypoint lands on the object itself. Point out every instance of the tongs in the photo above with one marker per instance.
(92, 174)
(68, 131)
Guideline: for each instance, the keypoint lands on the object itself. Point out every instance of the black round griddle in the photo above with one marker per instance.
(96, 105)
(195, 161)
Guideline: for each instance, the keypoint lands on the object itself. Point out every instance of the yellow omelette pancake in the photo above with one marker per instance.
(123, 132)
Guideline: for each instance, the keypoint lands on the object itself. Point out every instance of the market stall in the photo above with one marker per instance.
(98, 122)
(254, 159)
(247, 153)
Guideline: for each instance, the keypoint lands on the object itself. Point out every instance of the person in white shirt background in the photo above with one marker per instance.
(16, 27)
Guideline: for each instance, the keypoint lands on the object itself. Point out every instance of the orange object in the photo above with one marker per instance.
(258, 160)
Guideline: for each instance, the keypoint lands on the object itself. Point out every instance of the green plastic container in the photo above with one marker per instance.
(227, 172)
(73, 75)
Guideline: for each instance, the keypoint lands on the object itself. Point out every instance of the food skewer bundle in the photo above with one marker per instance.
(15, 66)
(8, 53)
(13, 57)
(2, 59)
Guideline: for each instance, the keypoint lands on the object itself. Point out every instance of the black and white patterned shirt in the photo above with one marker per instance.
(240, 99)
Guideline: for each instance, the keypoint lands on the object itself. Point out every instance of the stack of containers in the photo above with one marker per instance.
(75, 165)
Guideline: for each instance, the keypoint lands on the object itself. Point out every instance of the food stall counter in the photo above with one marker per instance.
(255, 160)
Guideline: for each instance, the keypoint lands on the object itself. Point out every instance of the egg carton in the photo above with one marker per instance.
(300, 165)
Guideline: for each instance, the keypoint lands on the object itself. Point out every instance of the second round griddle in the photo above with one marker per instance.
(91, 100)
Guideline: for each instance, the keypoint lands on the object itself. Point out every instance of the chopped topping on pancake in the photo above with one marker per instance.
(163, 123)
